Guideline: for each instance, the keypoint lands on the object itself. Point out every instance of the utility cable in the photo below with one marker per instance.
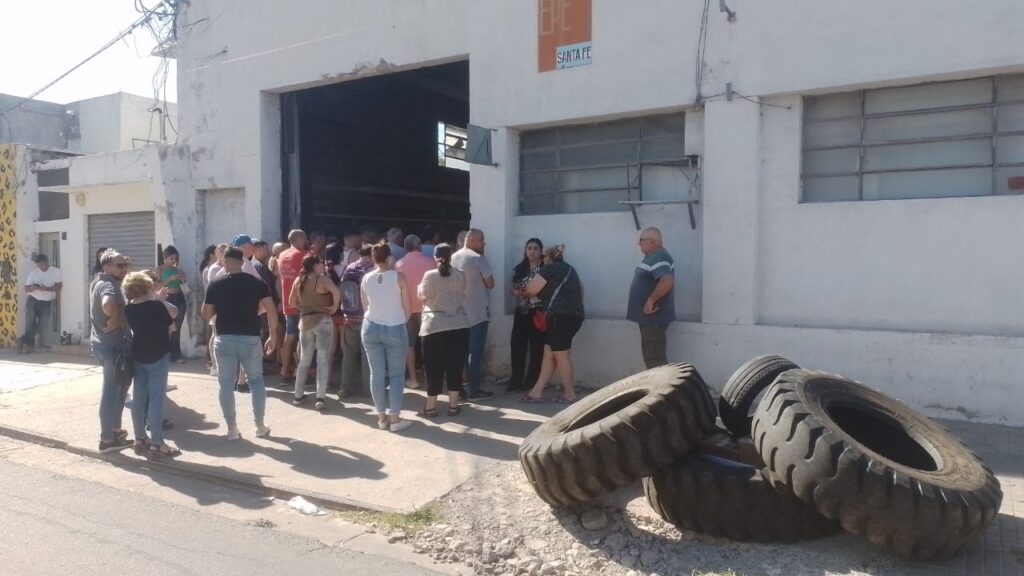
(145, 18)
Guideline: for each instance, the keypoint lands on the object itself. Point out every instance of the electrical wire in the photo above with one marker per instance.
(701, 49)
(124, 33)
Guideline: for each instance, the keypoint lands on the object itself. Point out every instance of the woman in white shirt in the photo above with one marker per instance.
(385, 338)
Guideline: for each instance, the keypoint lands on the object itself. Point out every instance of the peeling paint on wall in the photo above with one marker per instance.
(8, 247)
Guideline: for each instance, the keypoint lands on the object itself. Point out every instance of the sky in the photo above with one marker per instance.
(42, 39)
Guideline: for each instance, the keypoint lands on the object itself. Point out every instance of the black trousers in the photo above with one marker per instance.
(178, 299)
(444, 357)
(527, 352)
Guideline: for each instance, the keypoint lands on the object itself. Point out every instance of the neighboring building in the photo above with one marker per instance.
(55, 201)
(838, 184)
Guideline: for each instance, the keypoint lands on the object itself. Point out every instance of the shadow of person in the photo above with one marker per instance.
(328, 462)
(181, 477)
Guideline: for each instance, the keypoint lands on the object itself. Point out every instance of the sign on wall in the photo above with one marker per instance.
(564, 34)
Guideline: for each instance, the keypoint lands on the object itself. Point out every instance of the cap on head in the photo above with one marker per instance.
(241, 240)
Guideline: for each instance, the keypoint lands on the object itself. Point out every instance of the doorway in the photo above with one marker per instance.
(379, 152)
(49, 246)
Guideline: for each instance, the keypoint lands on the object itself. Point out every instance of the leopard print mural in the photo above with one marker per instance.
(8, 246)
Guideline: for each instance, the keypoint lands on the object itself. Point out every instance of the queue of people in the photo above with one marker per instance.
(293, 308)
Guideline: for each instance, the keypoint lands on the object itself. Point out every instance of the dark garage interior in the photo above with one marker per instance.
(378, 152)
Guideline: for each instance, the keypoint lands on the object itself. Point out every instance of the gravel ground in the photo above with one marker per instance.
(496, 525)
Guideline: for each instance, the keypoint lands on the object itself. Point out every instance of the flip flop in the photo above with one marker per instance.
(526, 398)
(563, 400)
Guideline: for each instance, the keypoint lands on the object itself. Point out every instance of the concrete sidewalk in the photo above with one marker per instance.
(338, 457)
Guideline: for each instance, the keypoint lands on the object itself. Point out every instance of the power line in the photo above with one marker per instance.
(117, 39)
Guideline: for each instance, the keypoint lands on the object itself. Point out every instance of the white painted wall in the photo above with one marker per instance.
(867, 289)
(118, 121)
(154, 179)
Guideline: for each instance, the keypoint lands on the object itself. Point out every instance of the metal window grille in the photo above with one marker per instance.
(594, 167)
(451, 146)
(938, 140)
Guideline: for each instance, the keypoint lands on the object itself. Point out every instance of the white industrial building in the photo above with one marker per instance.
(839, 183)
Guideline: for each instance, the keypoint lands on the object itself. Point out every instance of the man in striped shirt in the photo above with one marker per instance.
(651, 297)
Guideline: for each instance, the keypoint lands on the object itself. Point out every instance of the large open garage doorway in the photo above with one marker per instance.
(379, 152)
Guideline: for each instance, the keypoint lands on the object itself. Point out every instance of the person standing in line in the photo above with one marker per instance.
(149, 316)
(479, 282)
(652, 303)
(527, 341)
(208, 276)
(413, 266)
(236, 299)
(460, 240)
(275, 253)
(110, 346)
(317, 298)
(317, 243)
(289, 266)
(355, 367)
(261, 263)
(396, 241)
(445, 331)
(558, 285)
(353, 241)
(432, 236)
(43, 287)
(385, 338)
(173, 279)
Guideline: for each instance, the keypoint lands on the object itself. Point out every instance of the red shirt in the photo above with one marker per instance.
(289, 267)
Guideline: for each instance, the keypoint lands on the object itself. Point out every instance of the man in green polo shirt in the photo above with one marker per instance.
(651, 298)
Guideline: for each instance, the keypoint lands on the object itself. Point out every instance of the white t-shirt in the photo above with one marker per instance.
(476, 268)
(247, 267)
(47, 279)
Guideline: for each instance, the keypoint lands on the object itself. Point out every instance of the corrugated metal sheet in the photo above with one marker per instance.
(130, 233)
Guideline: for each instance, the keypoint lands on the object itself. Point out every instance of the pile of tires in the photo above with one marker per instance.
(799, 454)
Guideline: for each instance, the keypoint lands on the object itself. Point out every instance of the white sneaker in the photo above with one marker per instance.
(233, 433)
(382, 424)
(213, 372)
(262, 431)
(412, 385)
(400, 425)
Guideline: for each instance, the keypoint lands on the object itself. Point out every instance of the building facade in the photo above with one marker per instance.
(838, 183)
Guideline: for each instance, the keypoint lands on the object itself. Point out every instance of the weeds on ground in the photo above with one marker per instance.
(408, 522)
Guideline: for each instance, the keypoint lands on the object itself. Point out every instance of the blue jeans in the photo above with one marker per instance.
(386, 347)
(114, 391)
(475, 361)
(37, 320)
(150, 390)
(319, 340)
(230, 351)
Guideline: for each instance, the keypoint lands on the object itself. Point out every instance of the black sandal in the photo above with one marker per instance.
(425, 413)
(454, 410)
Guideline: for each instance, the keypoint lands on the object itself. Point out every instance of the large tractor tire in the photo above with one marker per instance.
(879, 468)
(615, 436)
(719, 497)
(748, 381)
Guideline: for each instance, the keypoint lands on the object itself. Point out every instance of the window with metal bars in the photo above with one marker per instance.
(451, 146)
(938, 140)
(592, 167)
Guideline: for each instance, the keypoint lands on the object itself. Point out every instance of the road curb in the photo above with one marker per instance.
(185, 469)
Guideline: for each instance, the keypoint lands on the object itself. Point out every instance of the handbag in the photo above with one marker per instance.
(540, 320)
(540, 317)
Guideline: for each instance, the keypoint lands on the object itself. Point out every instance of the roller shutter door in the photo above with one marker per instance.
(130, 233)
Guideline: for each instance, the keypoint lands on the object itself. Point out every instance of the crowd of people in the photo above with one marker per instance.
(394, 308)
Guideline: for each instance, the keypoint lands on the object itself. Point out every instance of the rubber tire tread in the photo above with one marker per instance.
(742, 388)
(615, 436)
(916, 513)
(736, 502)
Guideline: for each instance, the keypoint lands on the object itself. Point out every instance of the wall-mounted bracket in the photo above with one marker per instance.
(634, 204)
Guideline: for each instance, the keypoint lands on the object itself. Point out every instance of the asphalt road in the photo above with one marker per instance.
(55, 525)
